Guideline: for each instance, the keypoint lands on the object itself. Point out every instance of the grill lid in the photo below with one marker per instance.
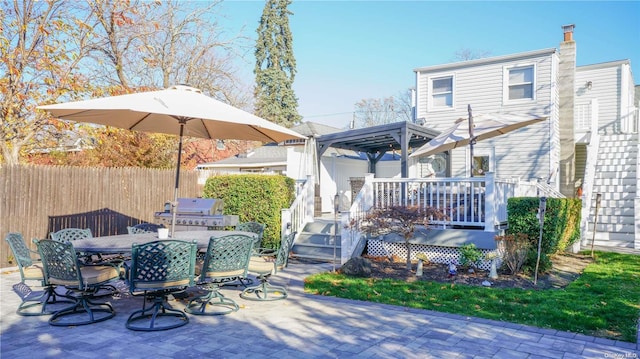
(200, 206)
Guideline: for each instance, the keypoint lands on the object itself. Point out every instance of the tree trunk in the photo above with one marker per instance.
(406, 241)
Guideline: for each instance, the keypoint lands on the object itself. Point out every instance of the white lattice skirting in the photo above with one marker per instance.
(436, 254)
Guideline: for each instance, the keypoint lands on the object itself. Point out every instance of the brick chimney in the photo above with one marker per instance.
(566, 90)
(568, 32)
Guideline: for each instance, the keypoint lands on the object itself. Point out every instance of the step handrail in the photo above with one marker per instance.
(294, 218)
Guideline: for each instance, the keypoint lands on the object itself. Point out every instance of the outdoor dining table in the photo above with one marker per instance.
(121, 243)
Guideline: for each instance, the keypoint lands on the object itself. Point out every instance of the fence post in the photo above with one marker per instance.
(368, 201)
(285, 224)
(310, 205)
(489, 202)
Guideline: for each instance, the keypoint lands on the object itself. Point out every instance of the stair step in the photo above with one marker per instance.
(613, 243)
(604, 219)
(613, 203)
(600, 174)
(308, 238)
(613, 228)
(614, 196)
(614, 211)
(316, 258)
(610, 236)
(623, 158)
(315, 251)
(609, 241)
(606, 148)
(624, 170)
(618, 137)
(322, 226)
(602, 188)
(615, 181)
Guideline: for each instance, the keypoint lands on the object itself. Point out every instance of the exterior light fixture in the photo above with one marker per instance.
(589, 85)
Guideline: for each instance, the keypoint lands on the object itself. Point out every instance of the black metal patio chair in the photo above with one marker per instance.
(31, 269)
(253, 227)
(226, 260)
(144, 228)
(158, 269)
(264, 265)
(62, 267)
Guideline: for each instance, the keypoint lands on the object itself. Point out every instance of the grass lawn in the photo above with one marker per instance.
(603, 302)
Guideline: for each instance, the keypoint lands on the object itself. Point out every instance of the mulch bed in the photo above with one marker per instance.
(566, 268)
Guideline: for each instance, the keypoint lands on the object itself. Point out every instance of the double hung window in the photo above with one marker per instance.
(442, 93)
(521, 83)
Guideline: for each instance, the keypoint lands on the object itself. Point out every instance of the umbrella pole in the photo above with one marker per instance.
(174, 205)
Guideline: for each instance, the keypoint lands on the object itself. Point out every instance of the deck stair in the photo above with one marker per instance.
(316, 241)
(615, 180)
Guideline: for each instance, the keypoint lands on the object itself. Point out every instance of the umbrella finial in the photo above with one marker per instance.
(185, 88)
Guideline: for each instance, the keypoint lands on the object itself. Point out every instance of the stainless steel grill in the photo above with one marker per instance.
(196, 212)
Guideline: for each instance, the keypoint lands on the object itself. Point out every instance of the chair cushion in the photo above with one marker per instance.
(233, 273)
(157, 285)
(92, 275)
(261, 265)
(34, 271)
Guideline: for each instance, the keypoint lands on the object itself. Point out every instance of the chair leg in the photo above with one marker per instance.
(264, 291)
(214, 300)
(85, 309)
(245, 282)
(158, 311)
(33, 300)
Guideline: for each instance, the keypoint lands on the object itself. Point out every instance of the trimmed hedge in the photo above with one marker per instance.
(254, 197)
(561, 226)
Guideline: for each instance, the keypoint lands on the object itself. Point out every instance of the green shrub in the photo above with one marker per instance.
(254, 197)
(470, 255)
(561, 226)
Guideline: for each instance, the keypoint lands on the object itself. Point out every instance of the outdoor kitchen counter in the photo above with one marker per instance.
(122, 243)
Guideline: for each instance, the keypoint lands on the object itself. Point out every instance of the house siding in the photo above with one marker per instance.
(606, 82)
(525, 153)
(335, 175)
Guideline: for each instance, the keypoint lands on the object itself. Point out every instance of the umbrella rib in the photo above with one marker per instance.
(263, 133)
(132, 127)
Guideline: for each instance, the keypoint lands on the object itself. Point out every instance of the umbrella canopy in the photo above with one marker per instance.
(178, 110)
(484, 126)
(163, 111)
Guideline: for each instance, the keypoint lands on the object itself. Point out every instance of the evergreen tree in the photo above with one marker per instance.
(276, 66)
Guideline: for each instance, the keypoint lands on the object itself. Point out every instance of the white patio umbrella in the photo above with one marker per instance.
(479, 127)
(177, 110)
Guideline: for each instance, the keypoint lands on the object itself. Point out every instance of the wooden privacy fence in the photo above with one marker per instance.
(39, 199)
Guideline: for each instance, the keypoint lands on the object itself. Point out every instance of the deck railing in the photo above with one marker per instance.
(469, 202)
(477, 202)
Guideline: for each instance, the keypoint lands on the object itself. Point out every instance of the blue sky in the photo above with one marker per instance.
(347, 51)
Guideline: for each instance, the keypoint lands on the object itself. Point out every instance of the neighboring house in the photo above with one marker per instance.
(588, 145)
(339, 172)
(295, 159)
(68, 141)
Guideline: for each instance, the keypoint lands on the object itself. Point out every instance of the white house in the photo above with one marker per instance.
(588, 145)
